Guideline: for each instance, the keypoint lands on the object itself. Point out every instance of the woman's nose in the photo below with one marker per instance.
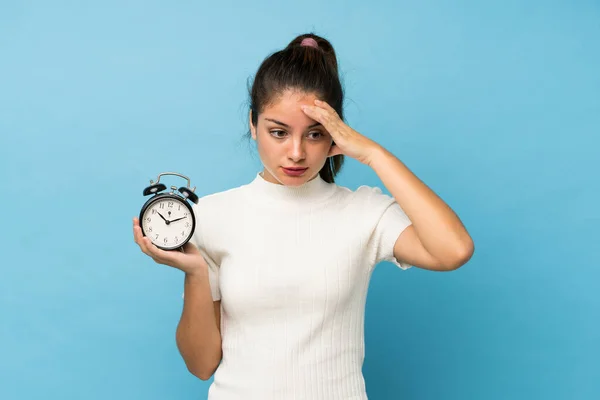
(297, 151)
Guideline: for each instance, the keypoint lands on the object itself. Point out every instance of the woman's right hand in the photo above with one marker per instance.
(189, 261)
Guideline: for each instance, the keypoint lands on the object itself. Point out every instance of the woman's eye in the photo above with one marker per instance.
(281, 134)
(278, 134)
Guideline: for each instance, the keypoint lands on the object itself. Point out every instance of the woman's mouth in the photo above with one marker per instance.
(294, 171)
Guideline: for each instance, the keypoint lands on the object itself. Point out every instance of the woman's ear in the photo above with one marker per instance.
(334, 150)
(252, 127)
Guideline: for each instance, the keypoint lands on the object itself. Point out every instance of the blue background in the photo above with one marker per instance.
(495, 105)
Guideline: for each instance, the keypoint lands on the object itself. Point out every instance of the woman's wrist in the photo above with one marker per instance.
(198, 275)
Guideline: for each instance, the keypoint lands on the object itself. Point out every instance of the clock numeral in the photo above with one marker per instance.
(156, 236)
(170, 204)
(176, 239)
(149, 229)
(166, 240)
(182, 233)
(148, 219)
(153, 211)
(179, 208)
(162, 205)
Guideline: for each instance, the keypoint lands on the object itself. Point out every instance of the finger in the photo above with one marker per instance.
(135, 225)
(144, 244)
(329, 119)
(316, 113)
(137, 234)
(151, 248)
(168, 257)
(154, 252)
(142, 241)
(326, 106)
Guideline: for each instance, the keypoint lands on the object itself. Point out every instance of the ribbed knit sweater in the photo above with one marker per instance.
(291, 266)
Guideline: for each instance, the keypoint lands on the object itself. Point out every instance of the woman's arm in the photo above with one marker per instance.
(437, 239)
(198, 332)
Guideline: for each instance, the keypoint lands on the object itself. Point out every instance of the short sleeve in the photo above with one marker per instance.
(213, 267)
(392, 222)
(213, 275)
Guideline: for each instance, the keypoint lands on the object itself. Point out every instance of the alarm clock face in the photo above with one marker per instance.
(168, 222)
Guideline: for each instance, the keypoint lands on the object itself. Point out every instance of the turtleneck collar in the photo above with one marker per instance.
(310, 192)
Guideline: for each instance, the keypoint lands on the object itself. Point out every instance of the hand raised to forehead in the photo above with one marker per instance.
(347, 141)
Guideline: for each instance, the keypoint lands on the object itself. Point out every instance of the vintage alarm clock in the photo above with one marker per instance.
(167, 219)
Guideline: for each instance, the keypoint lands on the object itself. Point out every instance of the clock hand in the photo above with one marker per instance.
(168, 222)
(177, 219)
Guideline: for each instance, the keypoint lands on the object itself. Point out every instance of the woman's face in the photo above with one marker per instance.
(292, 147)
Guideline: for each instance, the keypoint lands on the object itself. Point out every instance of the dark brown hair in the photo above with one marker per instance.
(306, 69)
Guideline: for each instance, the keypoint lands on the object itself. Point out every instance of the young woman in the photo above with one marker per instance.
(277, 275)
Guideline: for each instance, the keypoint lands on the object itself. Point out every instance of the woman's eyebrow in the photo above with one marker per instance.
(287, 126)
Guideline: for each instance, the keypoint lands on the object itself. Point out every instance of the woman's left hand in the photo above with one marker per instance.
(347, 140)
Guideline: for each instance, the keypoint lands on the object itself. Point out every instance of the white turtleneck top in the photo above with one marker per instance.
(291, 266)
